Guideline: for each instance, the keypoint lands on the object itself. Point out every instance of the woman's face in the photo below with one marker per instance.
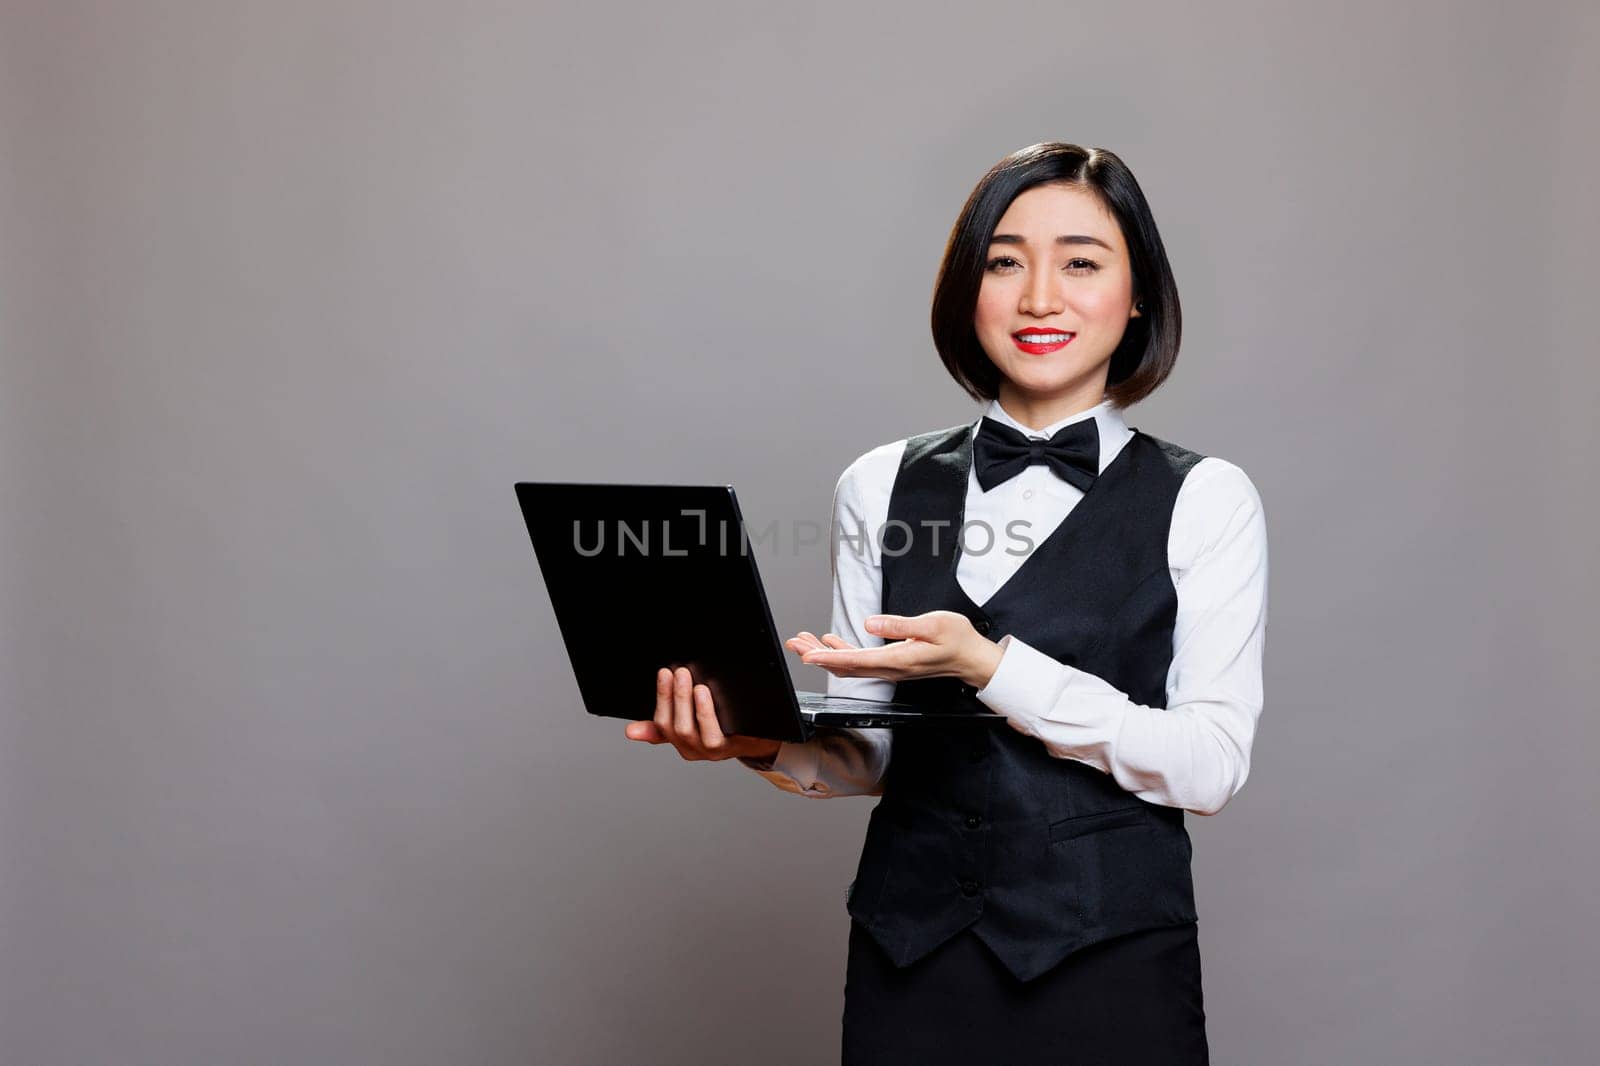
(1057, 263)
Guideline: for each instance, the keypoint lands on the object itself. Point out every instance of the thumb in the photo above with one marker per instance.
(891, 625)
(646, 731)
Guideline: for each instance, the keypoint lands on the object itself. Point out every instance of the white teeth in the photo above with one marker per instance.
(1044, 338)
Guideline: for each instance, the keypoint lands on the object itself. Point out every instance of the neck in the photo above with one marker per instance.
(1036, 410)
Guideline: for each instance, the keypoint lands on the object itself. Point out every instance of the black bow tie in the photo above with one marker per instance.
(1000, 453)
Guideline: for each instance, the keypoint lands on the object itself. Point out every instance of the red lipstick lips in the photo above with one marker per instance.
(1039, 341)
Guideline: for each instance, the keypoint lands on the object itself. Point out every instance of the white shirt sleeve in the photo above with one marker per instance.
(841, 761)
(1195, 752)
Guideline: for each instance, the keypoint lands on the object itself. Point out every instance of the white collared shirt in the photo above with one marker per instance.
(1193, 754)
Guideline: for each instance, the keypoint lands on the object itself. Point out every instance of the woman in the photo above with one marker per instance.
(1024, 894)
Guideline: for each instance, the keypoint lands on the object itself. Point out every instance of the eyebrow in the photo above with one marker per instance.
(1068, 238)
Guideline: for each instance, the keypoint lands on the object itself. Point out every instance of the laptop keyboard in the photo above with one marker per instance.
(814, 702)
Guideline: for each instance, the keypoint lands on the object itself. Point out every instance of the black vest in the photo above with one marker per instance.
(979, 825)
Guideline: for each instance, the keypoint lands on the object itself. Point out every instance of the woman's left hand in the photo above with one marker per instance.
(936, 644)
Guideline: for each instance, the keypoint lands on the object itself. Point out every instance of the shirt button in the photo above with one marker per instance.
(969, 888)
(973, 821)
(1027, 494)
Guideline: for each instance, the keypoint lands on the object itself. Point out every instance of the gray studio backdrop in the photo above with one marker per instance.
(292, 764)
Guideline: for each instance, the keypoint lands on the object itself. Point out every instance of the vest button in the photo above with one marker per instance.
(969, 888)
(973, 821)
(978, 754)
(983, 626)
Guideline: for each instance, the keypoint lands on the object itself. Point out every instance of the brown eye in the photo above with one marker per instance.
(995, 263)
(1089, 266)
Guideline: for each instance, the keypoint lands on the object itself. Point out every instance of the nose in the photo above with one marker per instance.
(1042, 295)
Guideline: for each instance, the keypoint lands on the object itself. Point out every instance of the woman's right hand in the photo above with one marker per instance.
(686, 718)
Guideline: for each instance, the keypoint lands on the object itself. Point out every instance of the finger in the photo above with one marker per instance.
(891, 662)
(833, 660)
(682, 708)
(663, 716)
(892, 626)
(646, 731)
(687, 739)
(801, 645)
(705, 713)
(833, 641)
(843, 654)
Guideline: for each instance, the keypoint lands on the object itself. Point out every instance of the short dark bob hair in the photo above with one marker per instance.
(1149, 347)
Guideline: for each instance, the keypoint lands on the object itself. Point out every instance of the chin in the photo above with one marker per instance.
(1038, 380)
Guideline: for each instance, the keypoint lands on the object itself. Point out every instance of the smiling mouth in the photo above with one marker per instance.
(1042, 342)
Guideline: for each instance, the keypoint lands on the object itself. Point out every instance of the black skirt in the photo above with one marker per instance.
(1133, 1000)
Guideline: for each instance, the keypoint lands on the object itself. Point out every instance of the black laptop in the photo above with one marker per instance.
(646, 576)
